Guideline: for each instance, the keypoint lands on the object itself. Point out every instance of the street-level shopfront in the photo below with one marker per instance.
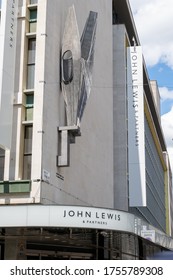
(76, 232)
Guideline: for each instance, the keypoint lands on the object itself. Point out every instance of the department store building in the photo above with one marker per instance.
(84, 169)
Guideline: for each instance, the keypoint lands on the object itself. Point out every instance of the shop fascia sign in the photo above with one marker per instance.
(92, 216)
(65, 216)
(136, 133)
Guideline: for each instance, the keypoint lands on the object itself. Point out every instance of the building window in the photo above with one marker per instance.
(30, 76)
(33, 21)
(31, 63)
(31, 50)
(33, 2)
(2, 159)
(27, 152)
(29, 107)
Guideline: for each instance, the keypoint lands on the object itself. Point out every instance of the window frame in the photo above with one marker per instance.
(27, 153)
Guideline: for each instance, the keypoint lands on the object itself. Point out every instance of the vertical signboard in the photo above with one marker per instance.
(136, 137)
(7, 69)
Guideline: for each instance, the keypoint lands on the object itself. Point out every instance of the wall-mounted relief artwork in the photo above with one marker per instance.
(77, 58)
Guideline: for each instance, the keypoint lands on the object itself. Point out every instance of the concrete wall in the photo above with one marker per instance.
(91, 159)
(120, 118)
(89, 178)
(156, 95)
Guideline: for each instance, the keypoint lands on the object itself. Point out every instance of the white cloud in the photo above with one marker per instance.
(167, 125)
(153, 21)
(165, 93)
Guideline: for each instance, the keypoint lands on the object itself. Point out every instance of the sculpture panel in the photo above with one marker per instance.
(77, 59)
(76, 65)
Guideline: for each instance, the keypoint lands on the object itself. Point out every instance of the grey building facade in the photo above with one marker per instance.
(52, 162)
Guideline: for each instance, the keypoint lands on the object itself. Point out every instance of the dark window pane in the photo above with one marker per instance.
(28, 146)
(31, 51)
(33, 15)
(28, 132)
(29, 107)
(27, 167)
(2, 159)
(27, 153)
(29, 100)
(33, 2)
(30, 76)
(28, 140)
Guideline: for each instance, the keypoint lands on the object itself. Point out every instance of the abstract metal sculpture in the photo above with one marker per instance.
(70, 67)
(76, 72)
(87, 59)
(76, 65)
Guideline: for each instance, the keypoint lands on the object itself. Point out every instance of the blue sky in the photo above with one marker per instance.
(164, 76)
(153, 19)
